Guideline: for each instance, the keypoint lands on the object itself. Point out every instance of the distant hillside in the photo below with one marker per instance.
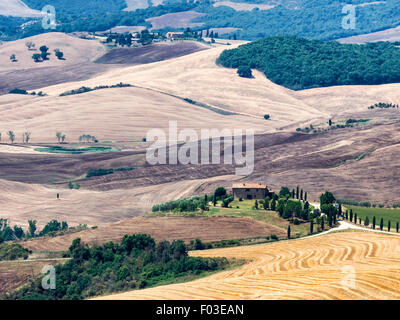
(312, 19)
(298, 63)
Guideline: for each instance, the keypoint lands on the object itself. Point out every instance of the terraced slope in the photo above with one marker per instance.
(313, 268)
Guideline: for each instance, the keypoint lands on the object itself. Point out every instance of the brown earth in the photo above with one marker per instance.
(151, 53)
(14, 274)
(163, 228)
(176, 20)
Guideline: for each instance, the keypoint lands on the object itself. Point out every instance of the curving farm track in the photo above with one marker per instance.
(313, 268)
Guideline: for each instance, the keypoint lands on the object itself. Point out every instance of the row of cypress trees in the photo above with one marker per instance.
(352, 217)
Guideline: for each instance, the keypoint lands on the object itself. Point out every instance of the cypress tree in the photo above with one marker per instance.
(340, 210)
(256, 205)
(347, 215)
(381, 225)
(293, 193)
(214, 200)
(397, 227)
(389, 225)
(351, 215)
(366, 222)
(373, 222)
(334, 219)
(288, 232)
(330, 220)
(311, 226)
(355, 218)
(297, 192)
(301, 194)
(322, 223)
(273, 205)
(305, 196)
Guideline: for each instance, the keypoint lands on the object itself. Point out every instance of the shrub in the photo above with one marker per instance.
(244, 72)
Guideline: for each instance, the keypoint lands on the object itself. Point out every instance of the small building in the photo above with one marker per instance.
(249, 191)
(175, 35)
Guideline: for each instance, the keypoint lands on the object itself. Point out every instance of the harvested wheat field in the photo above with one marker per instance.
(313, 268)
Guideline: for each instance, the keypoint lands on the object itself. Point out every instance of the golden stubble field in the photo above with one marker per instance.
(343, 265)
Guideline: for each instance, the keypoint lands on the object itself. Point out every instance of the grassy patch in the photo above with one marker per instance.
(64, 150)
(387, 214)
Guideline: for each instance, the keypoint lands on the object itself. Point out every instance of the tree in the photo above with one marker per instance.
(351, 215)
(389, 225)
(244, 72)
(266, 203)
(330, 122)
(37, 57)
(58, 135)
(293, 193)
(305, 196)
(322, 223)
(256, 205)
(11, 136)
(327, 198)
(297, 192)
(284, 192)
(59, 54)
(347, 214)
(44, 52)
(145, 37)
(30, 45)
(220, 192)
(311, 226)
(32, 228)
(301, 194)
(27, 136)
(381, 224)
(13, 58)
(366, 222)
(214, 200)
(288, 232)
(373, 222)
(273, 205)
(397, 227)
(355, 218)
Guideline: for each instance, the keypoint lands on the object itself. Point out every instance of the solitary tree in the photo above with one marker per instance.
(32, 227)
(27, 136)
(30, 45)
(11, 136)
(58, 135)
(59, 54)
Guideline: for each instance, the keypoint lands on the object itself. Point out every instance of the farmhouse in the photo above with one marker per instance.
(249, 191)
(175, 35)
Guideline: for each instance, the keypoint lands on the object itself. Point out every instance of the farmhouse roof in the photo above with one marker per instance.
(248, 186)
